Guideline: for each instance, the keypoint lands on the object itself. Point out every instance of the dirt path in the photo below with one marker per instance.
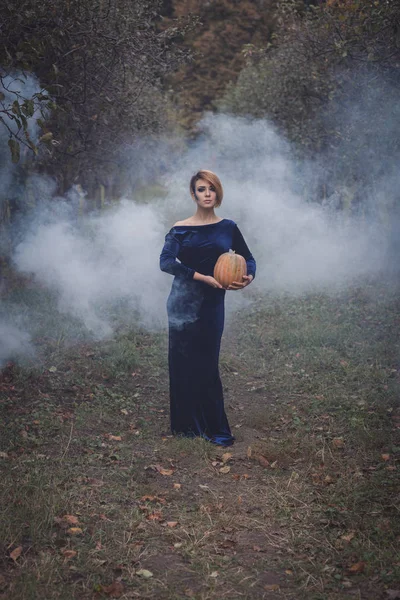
(98, 500)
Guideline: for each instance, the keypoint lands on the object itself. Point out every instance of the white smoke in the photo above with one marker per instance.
(299, 246)
(107, 258)
(14, 343)
(94, 262)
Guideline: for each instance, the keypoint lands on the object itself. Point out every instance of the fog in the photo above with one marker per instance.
(95, 262)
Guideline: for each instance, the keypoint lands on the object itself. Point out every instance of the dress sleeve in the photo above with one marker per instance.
(240, 246)
(168, 258)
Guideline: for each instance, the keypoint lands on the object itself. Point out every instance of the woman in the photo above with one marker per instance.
(196, 311)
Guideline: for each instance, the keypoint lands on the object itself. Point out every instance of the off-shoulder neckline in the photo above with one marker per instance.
(205, 225)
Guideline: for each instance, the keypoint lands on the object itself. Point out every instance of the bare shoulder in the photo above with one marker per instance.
(184, 222)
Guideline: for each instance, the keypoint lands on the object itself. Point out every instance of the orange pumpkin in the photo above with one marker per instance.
(230, 267)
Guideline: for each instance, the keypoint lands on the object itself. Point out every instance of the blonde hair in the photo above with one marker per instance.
(211, 178)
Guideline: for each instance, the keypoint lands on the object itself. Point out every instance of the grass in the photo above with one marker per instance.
(303, 506)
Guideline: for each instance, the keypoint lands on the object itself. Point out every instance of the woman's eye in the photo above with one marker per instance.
(203, 189)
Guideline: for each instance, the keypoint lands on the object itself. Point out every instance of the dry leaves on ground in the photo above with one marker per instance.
(358, 567)
(16, 553)
(163, 471)
(67, 554)
(114, 590)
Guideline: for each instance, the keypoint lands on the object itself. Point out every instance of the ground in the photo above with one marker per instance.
(99, 501)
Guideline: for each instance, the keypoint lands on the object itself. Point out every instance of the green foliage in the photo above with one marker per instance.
(14, 149)
(330, 81)
(225, 27)
(122, 357)
(17, 113)
(101, 64)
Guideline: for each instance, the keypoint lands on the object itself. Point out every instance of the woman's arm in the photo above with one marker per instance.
(240, 247)
(169, 264)
(168, 258)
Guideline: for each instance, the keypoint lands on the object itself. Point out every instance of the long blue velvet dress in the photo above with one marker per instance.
(196, 322)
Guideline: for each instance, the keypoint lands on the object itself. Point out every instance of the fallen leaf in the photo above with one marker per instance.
(358, 567)
(124, 411)
(214, 574)
(144, 573)
(225, 469)
(3, 455)
(113, 438)
(147, 498)
(94, 481)
(67, 554)
(53, 369)
(226, 456)
(70, 519)
(172, 523)
(263, 461)
(338, 442)
(177, 486)
(178, 545)
(289, 572)
(272, 587)
(163, 471)
(16, 553)
(249, 452)
(115, 590)
(74, 531)
(348, 536)
(156, 515)
(385, 457)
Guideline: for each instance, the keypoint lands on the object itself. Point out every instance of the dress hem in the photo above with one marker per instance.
(228, 442)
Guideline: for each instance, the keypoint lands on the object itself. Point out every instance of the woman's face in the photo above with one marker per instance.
(205, 195)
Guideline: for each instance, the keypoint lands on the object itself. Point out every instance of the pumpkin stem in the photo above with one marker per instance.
(231, 251)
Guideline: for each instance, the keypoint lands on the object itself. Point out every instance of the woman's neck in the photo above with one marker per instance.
(205, 216)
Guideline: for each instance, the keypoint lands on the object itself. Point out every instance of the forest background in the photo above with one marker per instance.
(99, 102)
(107, 73)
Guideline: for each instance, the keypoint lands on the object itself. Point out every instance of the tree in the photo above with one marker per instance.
(330, 80)
(100, 64)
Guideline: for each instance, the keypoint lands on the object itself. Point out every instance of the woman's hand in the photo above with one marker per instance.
(208, 279)
(212, 282)
(236, 285)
